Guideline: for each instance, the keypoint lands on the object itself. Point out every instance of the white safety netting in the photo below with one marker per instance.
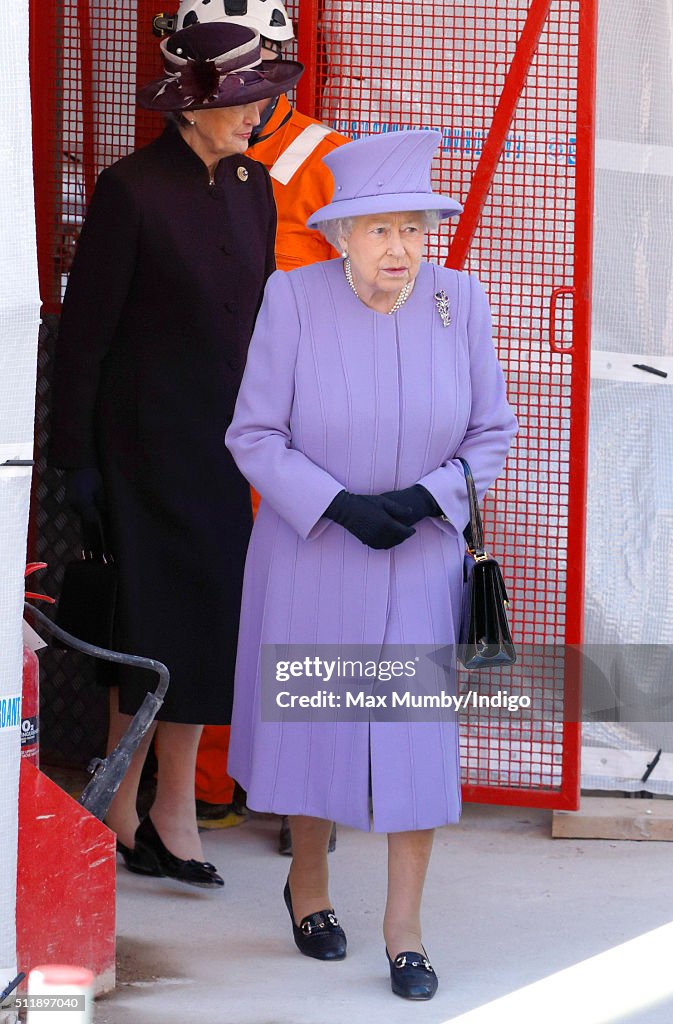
(629, 598)
(98, 137)
(19, 321)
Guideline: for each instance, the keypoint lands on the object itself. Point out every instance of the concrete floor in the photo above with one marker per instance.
(507, 909)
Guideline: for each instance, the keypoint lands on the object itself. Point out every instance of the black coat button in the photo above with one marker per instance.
(231, 306)
(233, 362)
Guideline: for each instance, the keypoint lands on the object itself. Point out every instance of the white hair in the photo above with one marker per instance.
(337, 231)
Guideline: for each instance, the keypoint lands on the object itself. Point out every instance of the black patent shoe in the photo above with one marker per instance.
(285, 838)
(148, 844)
(318, 935)
(137, 861)
(412, 976)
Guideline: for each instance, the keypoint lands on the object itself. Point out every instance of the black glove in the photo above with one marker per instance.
(372, 518)
(85, 494)
(418, 500)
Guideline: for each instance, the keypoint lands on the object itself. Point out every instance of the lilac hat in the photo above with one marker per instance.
(387, 173)
(216, 65)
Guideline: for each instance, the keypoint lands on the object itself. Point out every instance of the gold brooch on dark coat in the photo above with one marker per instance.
(242, 173)
(443, 307)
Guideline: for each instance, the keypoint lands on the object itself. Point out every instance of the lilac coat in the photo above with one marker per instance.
(337, 395)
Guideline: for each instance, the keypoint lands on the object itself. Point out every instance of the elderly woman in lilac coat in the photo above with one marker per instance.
(367, 377)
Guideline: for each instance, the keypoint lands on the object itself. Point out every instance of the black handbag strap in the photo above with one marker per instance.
(473, 532)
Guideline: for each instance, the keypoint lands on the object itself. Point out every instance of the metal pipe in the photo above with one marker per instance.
(109, 771)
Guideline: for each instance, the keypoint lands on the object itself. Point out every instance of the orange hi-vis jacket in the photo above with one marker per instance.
(291, 147)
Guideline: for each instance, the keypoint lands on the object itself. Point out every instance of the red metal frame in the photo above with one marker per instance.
(579, 419)
(307, 52)
(43, 74)
(87, 94)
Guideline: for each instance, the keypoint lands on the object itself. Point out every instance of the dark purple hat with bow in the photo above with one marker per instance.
(216, 65)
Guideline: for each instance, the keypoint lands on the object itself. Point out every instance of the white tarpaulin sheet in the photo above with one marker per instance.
(629, 599)
(19, 321)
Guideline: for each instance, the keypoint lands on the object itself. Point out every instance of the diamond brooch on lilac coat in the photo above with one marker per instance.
(443, 307)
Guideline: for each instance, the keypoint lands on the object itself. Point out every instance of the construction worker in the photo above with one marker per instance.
(291, 146)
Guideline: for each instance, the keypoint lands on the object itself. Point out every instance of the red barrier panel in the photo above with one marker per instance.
(65, 898)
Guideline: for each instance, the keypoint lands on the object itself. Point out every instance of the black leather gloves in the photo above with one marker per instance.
(417, 500)
(375, 519)
(85, 494)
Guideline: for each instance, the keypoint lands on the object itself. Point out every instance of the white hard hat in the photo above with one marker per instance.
(268, 17)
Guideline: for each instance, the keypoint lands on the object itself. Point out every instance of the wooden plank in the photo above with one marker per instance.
(607, 762)
(602, 817)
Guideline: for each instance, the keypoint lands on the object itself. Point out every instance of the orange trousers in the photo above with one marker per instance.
(213, 784)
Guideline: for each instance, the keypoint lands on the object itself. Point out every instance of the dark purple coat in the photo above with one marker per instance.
(158, 314)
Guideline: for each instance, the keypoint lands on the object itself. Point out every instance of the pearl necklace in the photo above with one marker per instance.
(399, 301)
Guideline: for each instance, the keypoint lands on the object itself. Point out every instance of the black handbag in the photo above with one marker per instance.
(484, 639)
(88, 597)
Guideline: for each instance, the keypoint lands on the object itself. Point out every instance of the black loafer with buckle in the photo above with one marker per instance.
(318, 935)
(412, 976)
(148, 844)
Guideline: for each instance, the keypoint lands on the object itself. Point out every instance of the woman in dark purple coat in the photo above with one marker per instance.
(160, 307)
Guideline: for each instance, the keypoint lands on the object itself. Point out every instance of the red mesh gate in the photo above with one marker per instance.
(510, 85)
